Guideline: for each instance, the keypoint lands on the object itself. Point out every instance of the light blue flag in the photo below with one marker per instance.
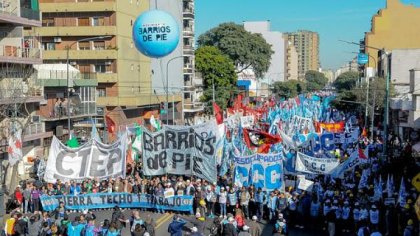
(389, 190)
(402, 194)
(364, 179)
(94, 133)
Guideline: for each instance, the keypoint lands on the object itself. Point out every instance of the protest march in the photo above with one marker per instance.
(293, 164)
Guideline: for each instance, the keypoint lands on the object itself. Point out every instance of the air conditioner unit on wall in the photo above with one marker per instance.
(57, 39)
(108, 62)
(35, 119)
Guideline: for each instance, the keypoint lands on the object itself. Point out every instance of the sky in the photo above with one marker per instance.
(334, 20)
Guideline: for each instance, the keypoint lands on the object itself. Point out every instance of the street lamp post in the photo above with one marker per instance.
(167, 88)
(388, 75)
(68, 77)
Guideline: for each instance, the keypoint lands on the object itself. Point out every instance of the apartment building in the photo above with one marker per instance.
(307, 47)
(20, 97)
(177, 70)
(96, 38)
(193, 84)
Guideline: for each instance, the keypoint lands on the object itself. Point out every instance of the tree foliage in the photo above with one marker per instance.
(289, 88)
(355, 97)
(377, 92)
(247, 50)
(346, 81)
(315, 80)
(215, 66)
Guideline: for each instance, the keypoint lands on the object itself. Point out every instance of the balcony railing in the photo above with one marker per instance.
(29, 14)
(35, 128)
(59, 111)
(18, 52)
(19, 93)
(7, 8)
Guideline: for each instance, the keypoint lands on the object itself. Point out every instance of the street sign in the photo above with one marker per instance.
(362, 58)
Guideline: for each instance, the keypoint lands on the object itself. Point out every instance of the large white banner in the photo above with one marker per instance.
(182, 150)
(312, 165)
(92, 160)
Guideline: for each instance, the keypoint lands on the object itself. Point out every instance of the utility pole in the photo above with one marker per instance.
(372, 118)
(388, 78)
(367, 103)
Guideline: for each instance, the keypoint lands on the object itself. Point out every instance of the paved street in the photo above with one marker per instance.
(163, 220)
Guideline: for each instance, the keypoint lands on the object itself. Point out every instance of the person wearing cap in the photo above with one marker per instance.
(254, 227)
(272, 204)
(229, 229)
(211, 199)
(293, 203)
(356, 215)
(345, 217)
(232, 201)
(280, 225)
(222, 201)
(199, 222)
(374, 217)
(244, 231)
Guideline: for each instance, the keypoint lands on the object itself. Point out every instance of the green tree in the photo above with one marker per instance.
(247, 50)
(289, 88)
(315, 80)
(377, 92)
(346, 81)
(215, 67)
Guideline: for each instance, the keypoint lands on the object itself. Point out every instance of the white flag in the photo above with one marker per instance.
(15, 147)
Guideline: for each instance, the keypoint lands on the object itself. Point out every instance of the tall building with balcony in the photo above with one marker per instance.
(177, 70)
(193, 83)
(292, 60)
(307, 47)
(97, 35)
(20, 97)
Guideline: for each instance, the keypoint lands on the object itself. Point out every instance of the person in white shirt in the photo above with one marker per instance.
(222, 201)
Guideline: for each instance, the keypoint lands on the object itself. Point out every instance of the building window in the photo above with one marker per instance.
(84, 45)
(48, 46)
(99, 45)
(101, 92)
(97, 21)
(48, 22)
(100, 68)
(83, 22)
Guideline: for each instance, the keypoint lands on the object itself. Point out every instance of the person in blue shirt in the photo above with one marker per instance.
(175, 227)
(76, 227)
(232, 201)
(259, 201)
(271, 204)
(75, 189)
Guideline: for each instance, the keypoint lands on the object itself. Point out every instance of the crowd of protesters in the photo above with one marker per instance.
(334, 205)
